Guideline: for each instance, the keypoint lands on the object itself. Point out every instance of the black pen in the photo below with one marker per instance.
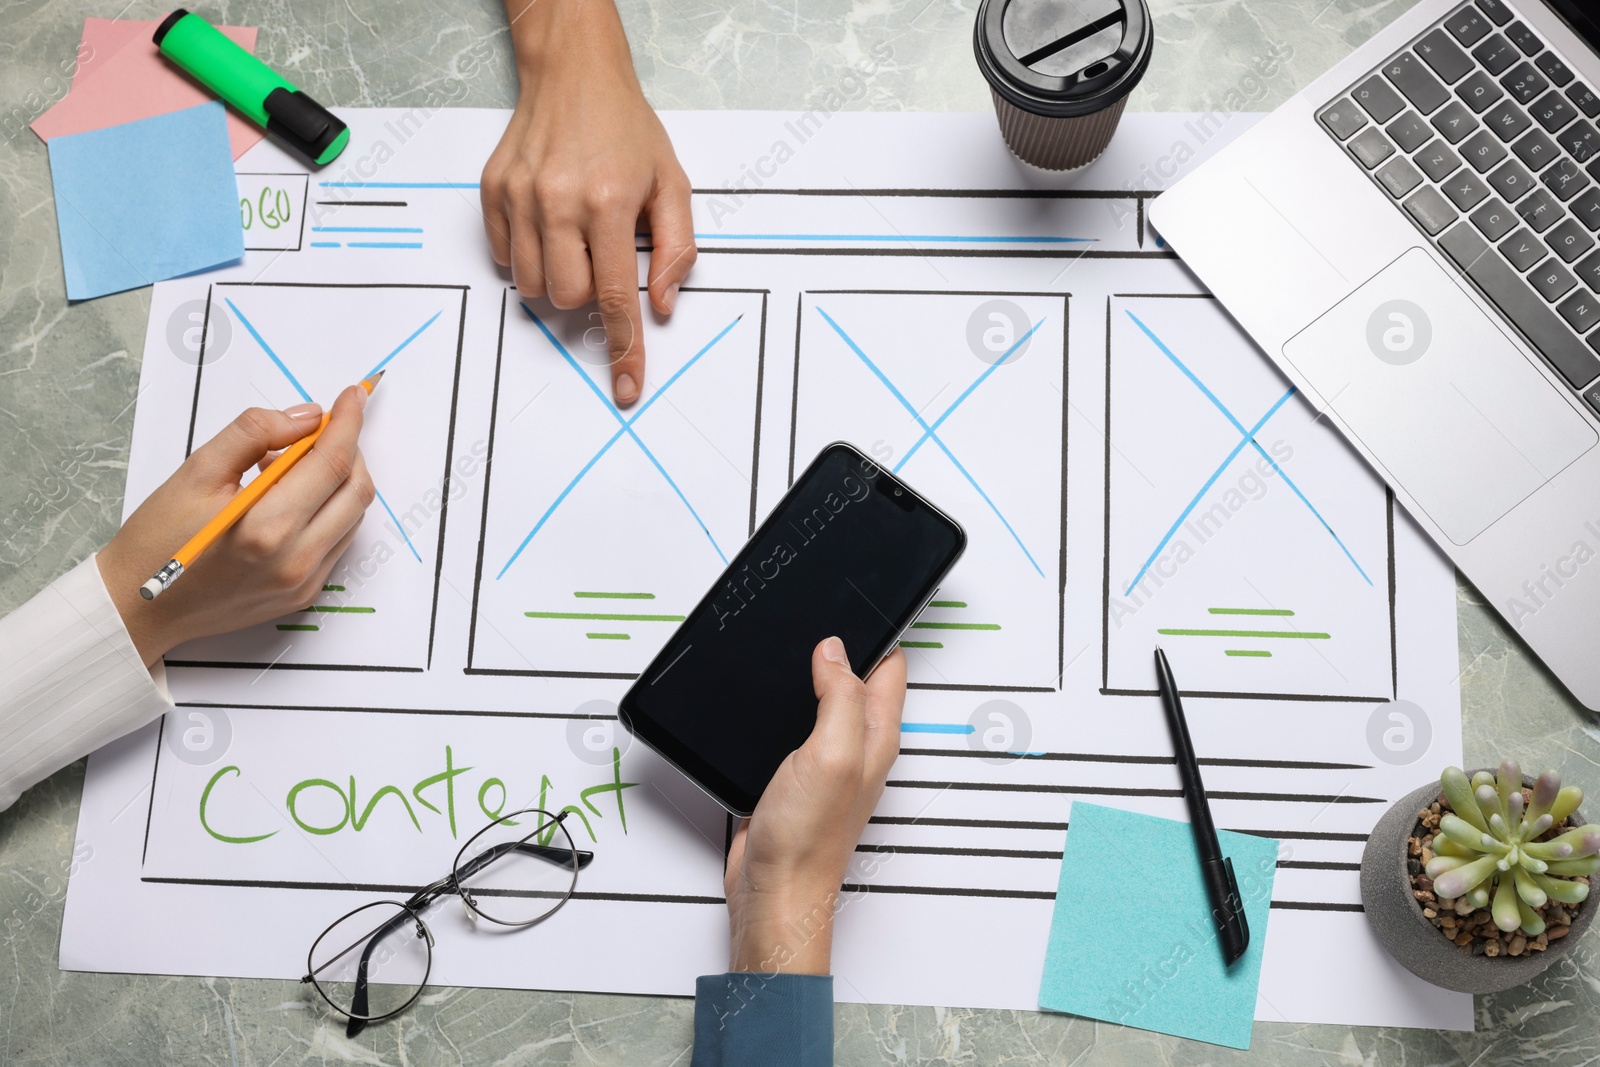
(1216, 870)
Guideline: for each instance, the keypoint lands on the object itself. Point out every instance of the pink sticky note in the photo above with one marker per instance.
(122, 77)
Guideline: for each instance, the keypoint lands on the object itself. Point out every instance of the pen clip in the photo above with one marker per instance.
(1235, 908)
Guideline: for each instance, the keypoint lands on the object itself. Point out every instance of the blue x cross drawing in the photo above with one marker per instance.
(625, 429)
(1247, 437)
(287, 373)
(930, 431)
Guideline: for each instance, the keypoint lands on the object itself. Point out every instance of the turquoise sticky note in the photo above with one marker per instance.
(145, 200)
(1132, 940)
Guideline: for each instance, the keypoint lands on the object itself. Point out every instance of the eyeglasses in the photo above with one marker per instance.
(372, 963)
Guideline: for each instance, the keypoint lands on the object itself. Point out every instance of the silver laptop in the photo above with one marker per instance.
(1415, 241)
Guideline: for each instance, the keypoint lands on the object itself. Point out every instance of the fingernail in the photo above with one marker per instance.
(304, 411)
(671, 299)
(833, 651)
(626, 389)
(361, 398)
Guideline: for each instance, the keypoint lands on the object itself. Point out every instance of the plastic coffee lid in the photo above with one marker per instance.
(1063, 58)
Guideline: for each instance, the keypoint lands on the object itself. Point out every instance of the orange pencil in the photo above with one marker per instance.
(234, 510)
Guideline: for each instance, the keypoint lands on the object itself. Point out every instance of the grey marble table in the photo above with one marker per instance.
(68, 376)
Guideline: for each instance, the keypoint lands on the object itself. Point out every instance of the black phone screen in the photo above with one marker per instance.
(850, 551)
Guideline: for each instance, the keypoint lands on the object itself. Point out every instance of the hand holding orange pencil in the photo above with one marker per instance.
(278, 553)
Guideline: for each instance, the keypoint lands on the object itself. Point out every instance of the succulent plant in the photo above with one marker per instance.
(1488, 849)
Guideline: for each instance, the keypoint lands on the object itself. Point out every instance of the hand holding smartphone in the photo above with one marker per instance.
(851, 552)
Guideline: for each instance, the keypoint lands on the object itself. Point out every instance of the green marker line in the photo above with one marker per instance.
(955, 626)
(333, 589)
(608, 637)
(921, 644)
(614, 596)
(298, 626)
(601, 616)
(1244, 633)
(324, 609)
(1250, 611)
(947, 603)
(1254, 652)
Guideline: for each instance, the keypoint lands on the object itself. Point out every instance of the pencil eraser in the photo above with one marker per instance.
(151, 589)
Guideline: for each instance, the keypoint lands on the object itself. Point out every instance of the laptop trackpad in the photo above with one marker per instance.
(1437, 392)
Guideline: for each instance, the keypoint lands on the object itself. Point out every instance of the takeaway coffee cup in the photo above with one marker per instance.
(1060, 72)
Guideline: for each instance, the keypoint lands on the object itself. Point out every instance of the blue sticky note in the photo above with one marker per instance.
(1132, 940)
(146, 200)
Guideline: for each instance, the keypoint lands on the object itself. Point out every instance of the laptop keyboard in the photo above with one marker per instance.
(1485, 140)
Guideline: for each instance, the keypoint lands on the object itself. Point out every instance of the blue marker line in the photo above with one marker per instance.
(990, 369)
(1204, 489)
(910, 407)
(607, 446)
(415, 334)
(268, 349)
(385, 244)
(937, 728)
(366, 229)
(324, 244)
(401, 530)
(931, 238)
(398, 185)
(1263, 452)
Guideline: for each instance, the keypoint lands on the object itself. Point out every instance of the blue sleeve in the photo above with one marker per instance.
(773, 1020)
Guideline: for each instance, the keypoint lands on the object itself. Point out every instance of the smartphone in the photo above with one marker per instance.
(851, 552)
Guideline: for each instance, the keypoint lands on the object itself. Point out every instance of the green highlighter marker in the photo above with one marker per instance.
(254, 89)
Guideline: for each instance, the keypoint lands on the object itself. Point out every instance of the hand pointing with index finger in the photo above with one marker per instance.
(583, 165)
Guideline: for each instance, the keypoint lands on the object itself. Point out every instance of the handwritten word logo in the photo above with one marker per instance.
(195, 338)
(1399, 732)
(994, 329)
(1399, 332)
(595, 736)
(198, 736)
(1002, 728)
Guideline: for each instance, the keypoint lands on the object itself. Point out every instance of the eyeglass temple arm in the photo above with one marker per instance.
(551, 854)
(358, 998)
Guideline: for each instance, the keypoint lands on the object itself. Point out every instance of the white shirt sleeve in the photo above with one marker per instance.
(70, 680)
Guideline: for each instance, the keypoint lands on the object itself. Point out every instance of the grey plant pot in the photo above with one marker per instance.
(1409, 937)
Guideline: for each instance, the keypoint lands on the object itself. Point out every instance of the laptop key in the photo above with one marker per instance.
(1371, 147)
(1581, 310)
(1593, 397)
(1536, 150)
(1497, 12)
(1524, 38)
(1511, 180)
(1454, 121)
(1437, 161)
(1586, 209)
(1494, 220)
(1410, 131)
(1569, 240)
(1524, 83)
(1553, 68)
(1479, 92)
(1465, 191)
(1496, 54)
(1522, 249)
(1379, 101)
(1588, 269)
(1432, 211)
(1444, 56)
(1565, 179)
(1552, 280)
(1539, 210)
(1584, 99)
(1399, 177)
(1467, 26)
(1507, 120)
(1581, 140)
(1482, 151)
(1343, 119)
(1523, 307)
(1553, 111)
(1407, 73)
